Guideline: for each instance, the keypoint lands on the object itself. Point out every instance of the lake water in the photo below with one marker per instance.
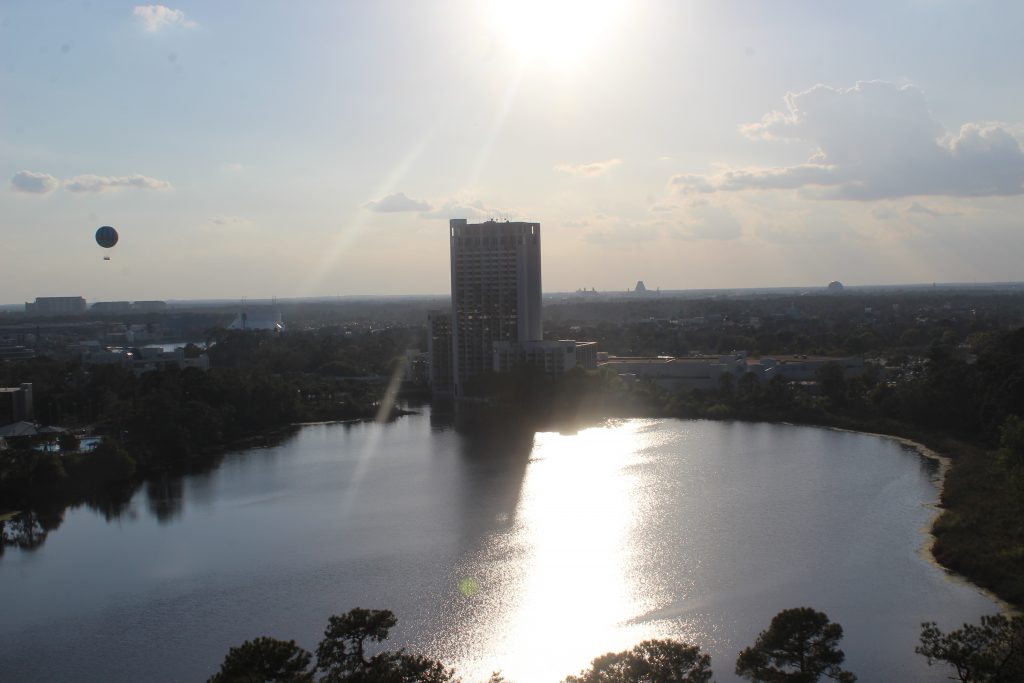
(529, 553)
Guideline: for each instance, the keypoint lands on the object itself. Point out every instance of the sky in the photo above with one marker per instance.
(256, 150)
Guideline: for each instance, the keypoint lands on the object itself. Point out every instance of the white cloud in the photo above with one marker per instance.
(397, 202)
(590, 170)
(690, 182)
(461, 208)
(95, 183)
(875, 140)
(32, 182)
(157, 17)
(917, 207)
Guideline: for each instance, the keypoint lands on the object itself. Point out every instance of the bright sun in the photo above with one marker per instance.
(557, 32)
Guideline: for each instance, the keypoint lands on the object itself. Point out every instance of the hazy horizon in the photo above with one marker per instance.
(250, 151)
(654, 292)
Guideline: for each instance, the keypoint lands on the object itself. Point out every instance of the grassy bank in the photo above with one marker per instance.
(980, 533)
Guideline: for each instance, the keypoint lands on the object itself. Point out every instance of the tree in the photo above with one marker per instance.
(990, 653)
(652, 661)
(398, 667)
(342, 651)
(726, 384)
(341, 655)
(748, 387)
(798, 647)
(265, 660)
(832, 380)
(1011, 451)
(108, 463)
(68, 442)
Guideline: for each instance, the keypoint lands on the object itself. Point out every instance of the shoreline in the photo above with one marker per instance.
(945, 463)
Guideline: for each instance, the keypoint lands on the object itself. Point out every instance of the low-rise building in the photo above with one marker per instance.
(705, 372)
(146, 359)
(15, 352)
(439, 352)
(416, 367)
(111, 307)
(554, 357)
(152, 358)
(56, 305)
(804, 368)
(672, 373)
(16, 403)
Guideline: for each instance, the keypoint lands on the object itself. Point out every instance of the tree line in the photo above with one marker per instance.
(800, 645)
(175, 420)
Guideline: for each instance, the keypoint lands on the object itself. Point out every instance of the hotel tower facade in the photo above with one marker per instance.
(496, 292)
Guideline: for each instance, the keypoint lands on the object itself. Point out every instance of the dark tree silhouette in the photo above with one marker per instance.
(342, 651)
(341, 655)
(990, 653)
(798, 647)
(265, 660)
(652, 661)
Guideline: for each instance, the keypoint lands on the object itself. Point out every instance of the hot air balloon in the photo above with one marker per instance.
(106, 237)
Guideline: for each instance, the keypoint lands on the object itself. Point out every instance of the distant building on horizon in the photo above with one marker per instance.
(258, 320)
(56, 305)
(111, 307)
(118, 307)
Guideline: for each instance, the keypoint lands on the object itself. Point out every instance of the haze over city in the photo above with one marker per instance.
(243, 149)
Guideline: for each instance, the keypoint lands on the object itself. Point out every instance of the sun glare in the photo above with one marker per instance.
(557, 32)
(579, 592)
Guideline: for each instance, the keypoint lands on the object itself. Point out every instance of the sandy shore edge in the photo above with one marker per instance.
(945, 464)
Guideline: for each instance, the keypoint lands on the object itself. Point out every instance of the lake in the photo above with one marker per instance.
(528, 553)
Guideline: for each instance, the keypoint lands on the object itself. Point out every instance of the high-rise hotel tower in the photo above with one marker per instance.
(496, 292)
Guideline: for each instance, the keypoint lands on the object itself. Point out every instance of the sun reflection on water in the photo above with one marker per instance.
(576, 595)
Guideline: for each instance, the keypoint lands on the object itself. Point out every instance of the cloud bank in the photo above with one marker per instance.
(157, 17)
(96, 183)
(31, 182)
(875, 140)
(397, 202)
